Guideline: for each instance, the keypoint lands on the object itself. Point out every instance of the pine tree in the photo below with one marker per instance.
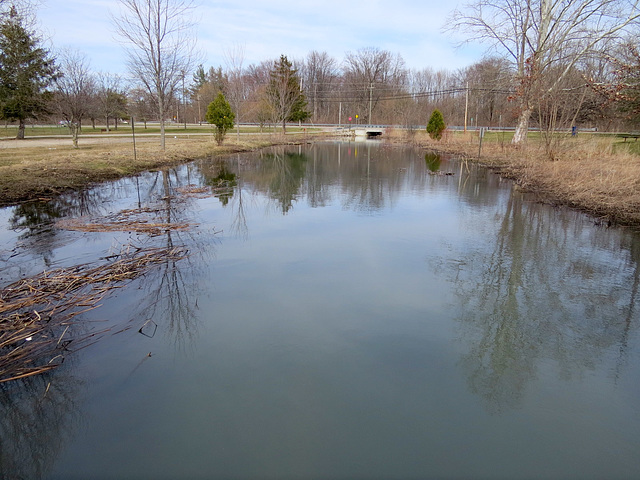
(219, 113)
(284, 94)
(436, 125)
(26, 70)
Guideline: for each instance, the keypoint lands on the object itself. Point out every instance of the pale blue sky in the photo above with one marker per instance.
(268, 28)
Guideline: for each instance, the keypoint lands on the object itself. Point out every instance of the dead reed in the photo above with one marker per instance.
(139, 220)
(37, 314)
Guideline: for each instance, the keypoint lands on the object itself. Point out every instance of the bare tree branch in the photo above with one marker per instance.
(161, 37)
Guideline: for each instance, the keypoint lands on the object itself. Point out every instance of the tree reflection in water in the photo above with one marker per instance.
(282, 175)
(37, 416)
(173, 290)
(38, 236)
(531, 260)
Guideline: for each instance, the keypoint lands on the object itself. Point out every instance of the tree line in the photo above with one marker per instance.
(551, 64)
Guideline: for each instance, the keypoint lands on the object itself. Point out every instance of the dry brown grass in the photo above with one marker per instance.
(37, 314)
(46, 167)
(585, 173)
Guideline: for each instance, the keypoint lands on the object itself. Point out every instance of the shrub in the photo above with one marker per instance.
(219, 113)
(436, 125)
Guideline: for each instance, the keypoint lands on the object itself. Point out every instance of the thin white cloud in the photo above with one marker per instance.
(270, 28)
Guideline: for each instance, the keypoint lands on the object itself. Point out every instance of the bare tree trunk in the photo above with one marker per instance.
(161, 111)
(162, 47)
(20, 135)
(522, 126)
(74, 133)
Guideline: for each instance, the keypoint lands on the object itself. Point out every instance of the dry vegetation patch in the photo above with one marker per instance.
(37, 326)
(47, 167)
(586, 173)
(139, 220)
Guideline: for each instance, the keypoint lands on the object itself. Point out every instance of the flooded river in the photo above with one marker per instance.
(346, 310)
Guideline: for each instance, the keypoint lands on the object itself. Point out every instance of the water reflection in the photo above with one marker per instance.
(280, 175)
(37, 416)
(172, 292)
(221, 179)
(529, 293)
(433, 161)
(363, 177)
(332, 312)
(34, 223)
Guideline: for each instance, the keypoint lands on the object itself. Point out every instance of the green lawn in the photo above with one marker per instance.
(630, 145)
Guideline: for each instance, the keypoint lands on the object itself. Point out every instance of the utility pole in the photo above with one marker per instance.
(370, 100)
(466, 107)
(315, 102)
(199, 111)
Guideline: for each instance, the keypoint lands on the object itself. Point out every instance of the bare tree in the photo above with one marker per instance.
(237, 90)
(25, 8)
(139, 105)
(370, 74)
(619, 91)
(74, 90)
(436, 89)
(319, 73)
(543, 38)
(162, 42)
(111, 97)
(489, 86)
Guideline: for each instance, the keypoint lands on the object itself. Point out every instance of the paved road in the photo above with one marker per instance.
(65, 140)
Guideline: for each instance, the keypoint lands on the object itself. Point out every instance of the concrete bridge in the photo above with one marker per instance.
(360, 131)
(368, 131)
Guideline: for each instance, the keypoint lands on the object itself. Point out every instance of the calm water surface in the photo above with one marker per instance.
(347, 311)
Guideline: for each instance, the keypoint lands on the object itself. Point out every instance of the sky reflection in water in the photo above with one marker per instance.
(347, 311)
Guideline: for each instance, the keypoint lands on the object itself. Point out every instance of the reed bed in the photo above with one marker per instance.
(38, 325)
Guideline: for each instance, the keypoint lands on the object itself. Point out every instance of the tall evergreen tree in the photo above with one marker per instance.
(284, 94)
(26, 70)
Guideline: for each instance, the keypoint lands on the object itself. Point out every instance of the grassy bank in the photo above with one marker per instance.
(43, 167)
(598, 174)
